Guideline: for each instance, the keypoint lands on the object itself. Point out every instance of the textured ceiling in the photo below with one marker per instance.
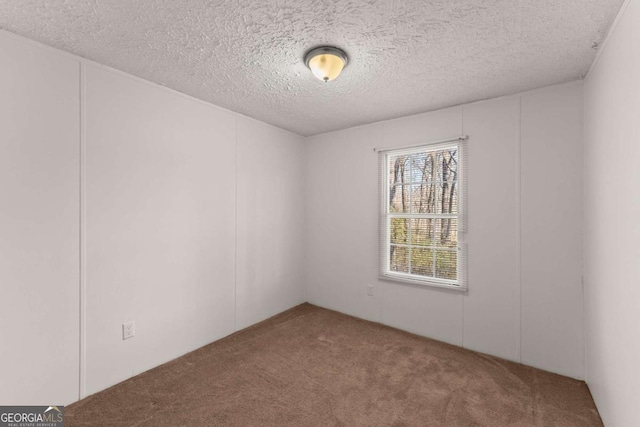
(405, 56)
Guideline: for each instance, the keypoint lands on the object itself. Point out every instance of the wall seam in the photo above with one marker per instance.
(83, 234)
(382, 284)
(305, 255)
(583, 235)
(519, 225)
(235, 248)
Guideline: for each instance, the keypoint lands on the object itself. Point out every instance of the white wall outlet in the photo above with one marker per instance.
(370, 290)
(128, 330)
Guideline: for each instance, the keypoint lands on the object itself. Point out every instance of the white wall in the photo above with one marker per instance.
(525, 299)
(39, 226)
(188, 213)
(160, 233)
(612, 234)
(552, 330)
(270, 264)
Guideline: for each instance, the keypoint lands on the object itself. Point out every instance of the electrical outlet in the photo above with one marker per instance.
(128, 330)
(370, 290)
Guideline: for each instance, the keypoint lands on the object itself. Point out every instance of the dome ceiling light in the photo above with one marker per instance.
(326, 62)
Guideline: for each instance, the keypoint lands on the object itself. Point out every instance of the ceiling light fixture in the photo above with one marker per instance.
(326, 62)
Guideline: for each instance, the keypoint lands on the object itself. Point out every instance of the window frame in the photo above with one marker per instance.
(385, 272)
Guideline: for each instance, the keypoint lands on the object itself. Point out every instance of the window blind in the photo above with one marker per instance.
(422, 223)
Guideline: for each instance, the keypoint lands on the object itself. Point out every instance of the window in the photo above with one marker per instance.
(422, 221)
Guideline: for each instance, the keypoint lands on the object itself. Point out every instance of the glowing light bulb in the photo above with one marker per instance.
(326, 63)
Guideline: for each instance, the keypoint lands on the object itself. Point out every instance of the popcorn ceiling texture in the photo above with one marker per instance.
(405, 56)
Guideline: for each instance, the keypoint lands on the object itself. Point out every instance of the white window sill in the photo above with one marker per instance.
(427, 282)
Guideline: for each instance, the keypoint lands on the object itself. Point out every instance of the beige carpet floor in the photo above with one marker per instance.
(315, 367)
